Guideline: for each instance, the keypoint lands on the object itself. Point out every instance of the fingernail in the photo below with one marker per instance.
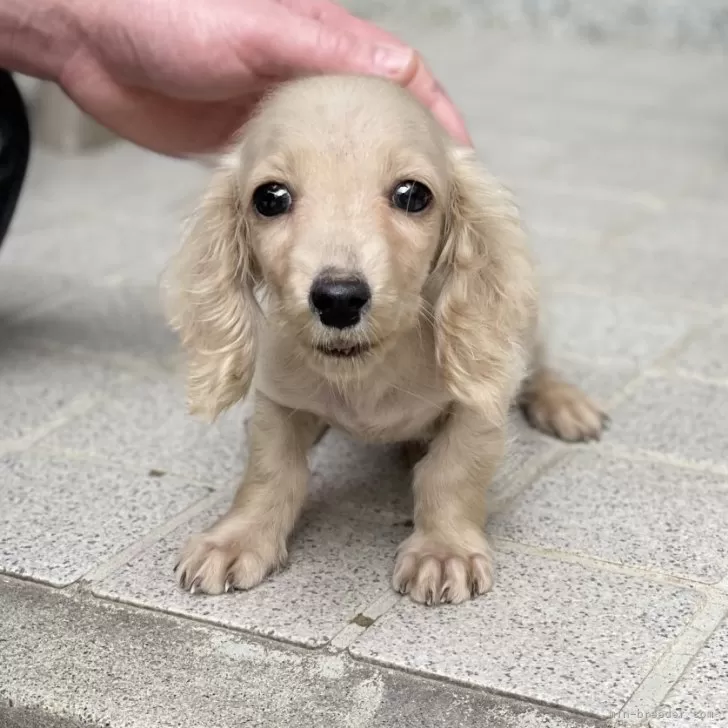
(393, 60)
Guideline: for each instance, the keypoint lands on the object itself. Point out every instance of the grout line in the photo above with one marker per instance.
(592, 562)
(640, 455)
(77, 407)
(670, 301)
(653, 690)
(386, 601)
(121, 558)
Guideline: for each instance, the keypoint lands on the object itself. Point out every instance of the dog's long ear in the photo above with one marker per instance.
(209, 300)
(485, 304)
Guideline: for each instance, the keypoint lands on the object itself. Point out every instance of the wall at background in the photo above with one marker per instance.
(700, 24)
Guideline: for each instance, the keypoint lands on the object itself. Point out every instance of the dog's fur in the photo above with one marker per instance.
(452, 327)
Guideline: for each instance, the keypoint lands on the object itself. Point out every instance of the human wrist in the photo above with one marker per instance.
(37, 38)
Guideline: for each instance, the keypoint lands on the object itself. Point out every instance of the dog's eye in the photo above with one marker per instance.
(411, 196)
(272, 199)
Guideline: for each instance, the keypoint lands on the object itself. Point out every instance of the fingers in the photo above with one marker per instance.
(330, 40)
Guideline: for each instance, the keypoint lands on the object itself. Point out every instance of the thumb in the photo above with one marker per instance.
(317, 48)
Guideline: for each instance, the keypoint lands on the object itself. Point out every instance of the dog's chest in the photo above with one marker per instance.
(387, 416)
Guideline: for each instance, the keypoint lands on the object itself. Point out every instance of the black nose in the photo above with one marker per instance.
(339, 301)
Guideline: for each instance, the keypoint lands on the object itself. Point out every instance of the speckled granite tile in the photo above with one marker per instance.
(549, 631)
(700, 698)
(337, 566)
(643, 514)
(119, 321)
(23, 289)
(602, 382)
(87, 250)
(59, 517)
(569, 214)
(593, 327)
(38, 382)
(121, 183)
(146, 422)
(707, 354)
(676, 417)
(638, 167)
(629, 266)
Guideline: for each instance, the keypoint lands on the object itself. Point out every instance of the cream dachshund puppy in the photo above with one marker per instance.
(355, 269)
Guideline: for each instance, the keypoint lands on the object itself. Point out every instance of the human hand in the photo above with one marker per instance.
(180, 76)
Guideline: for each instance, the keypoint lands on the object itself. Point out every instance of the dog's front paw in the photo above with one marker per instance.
(434, 570)
(227, 557)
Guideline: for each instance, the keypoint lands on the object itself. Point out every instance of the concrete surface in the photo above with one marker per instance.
(611, 590)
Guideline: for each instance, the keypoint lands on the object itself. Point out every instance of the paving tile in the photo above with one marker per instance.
(59, 517)
(623, 268)
(38, 383)
(549, 631)
(707, 354)
(337, 567)
(700, 699)
(630, 165)
(116, 183)
(566, 213)
(121, 321)
(146, 422)
(643, 514)
(593, 327)
(675, 417)
(89, 250)
(23, 289)
(688, 226)
(602, 382)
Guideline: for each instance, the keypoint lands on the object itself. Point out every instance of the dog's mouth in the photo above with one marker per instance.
(348, 351)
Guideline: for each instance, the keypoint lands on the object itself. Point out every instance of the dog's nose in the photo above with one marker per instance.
(339, 301)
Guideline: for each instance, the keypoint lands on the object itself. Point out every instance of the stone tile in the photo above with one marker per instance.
(549, 631)
(337, 567)
(37, 384)
(88, 662)
(700, 698)
(23, 289)
(593, 328)
(602, 382)
(675, 417)
(642, 514)
(117, 183)
(125, 322)
(707, 354)
(59, 517)
(630, 165)
(564, 213)
(685, 226)
(623, 268)
(90, 250)
(146, 423)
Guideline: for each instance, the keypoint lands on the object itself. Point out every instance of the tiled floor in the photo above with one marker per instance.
(612, 584)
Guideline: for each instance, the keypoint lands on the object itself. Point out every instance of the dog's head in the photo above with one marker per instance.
(357, 218)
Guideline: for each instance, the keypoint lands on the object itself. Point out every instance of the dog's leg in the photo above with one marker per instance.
(447, 558)
(250, 540)
(556, 407)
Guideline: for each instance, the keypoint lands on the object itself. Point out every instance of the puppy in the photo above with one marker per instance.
(355, 269)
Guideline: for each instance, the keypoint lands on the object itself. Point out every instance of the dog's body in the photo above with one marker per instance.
(395, 300)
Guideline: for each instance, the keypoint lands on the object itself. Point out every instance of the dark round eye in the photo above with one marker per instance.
(411, 196)
(272, 199)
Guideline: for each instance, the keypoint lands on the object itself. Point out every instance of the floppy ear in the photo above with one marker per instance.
(486, 306)
(209, 300)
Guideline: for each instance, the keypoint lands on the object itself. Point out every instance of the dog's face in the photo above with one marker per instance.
(344, 193)
(358, 219)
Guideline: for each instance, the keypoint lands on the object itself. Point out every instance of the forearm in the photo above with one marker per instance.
(37, 37)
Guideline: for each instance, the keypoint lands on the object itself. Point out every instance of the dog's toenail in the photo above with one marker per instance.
(195, 586)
